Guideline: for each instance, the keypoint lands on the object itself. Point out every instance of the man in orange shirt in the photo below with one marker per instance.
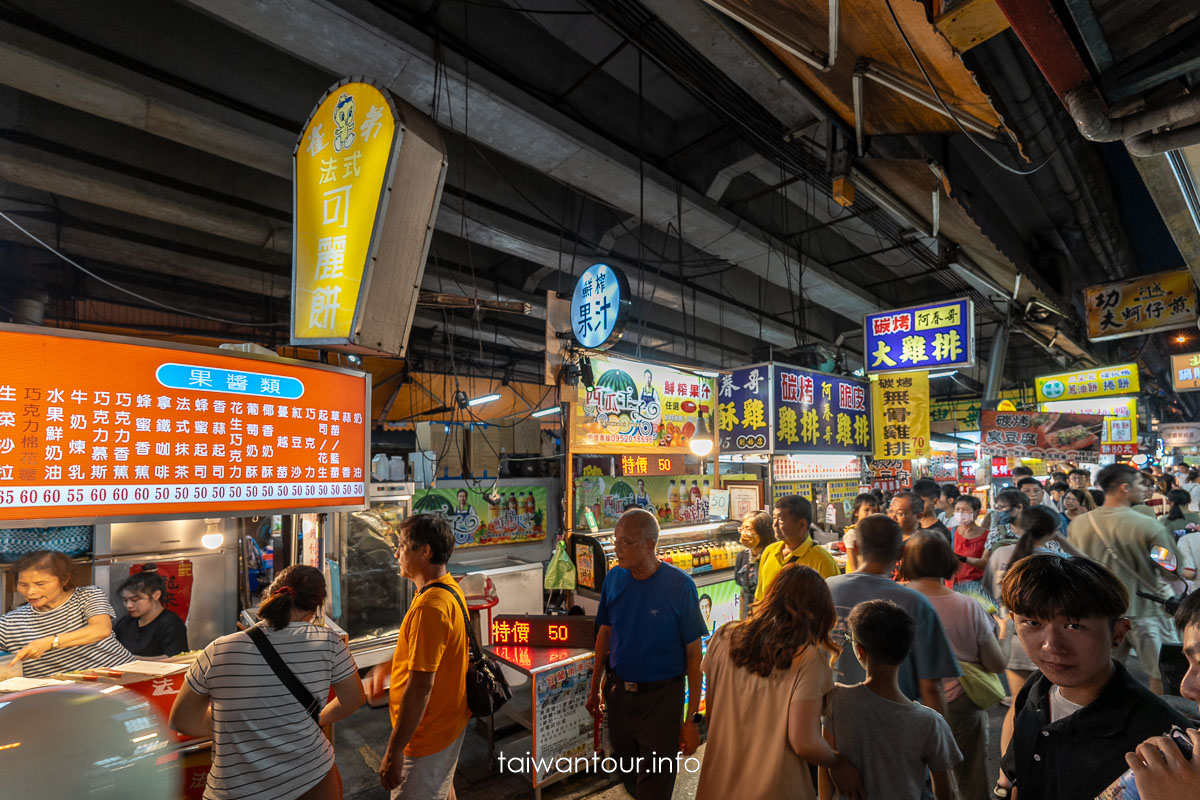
(427, 693)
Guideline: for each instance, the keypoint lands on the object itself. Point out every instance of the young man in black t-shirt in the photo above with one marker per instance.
(1071, 724)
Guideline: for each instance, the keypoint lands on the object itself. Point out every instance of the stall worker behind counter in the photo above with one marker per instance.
(150, 629)
(62, 627)
(793, 523)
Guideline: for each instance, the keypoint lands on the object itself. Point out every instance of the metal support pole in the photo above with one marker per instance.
(995, 373)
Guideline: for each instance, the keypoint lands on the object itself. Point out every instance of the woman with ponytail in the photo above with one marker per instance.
(266, 744)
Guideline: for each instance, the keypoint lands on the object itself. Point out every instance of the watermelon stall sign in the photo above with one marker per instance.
(519, 517)
(635, 406)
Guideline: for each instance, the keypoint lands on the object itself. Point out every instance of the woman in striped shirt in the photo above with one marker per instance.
(266, 746)
(62, 627)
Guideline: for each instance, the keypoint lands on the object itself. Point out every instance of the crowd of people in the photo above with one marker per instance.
(870, 683)
(876, 683)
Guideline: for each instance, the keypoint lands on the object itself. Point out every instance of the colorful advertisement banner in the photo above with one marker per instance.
(520, 516)
(96, 426)
(900, 409)
(819, 413)
(635, 406)
(1181, 434)
(341, 165)
(1122, 379)
(1185, 372)
(675, 500)
(744, 416)
(936, 336)
(1044, 435)
(1120, 420)
(1158, 302)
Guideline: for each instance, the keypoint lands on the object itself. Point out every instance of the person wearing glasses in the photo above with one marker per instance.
(648, 644)
(755, 535)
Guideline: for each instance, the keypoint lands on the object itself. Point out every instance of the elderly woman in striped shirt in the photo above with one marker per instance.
(62, 627)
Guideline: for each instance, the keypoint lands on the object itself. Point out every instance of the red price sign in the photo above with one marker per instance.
(544, 630)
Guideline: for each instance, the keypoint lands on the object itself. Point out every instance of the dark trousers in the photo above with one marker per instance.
(645, 725)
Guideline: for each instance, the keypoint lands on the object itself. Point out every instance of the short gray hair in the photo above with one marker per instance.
(643, 520)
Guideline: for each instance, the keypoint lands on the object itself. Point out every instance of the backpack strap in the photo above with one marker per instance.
(288, 678)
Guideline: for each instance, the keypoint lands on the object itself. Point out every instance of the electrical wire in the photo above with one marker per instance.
(953, 116)
(134, 294)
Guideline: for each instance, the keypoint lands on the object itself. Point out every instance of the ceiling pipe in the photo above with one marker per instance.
(1041, 30)
(1136, 130)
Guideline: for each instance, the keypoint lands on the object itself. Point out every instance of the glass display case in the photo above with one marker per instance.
(372, 595)
(706, 551)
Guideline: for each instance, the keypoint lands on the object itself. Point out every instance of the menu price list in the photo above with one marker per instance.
(113, 494)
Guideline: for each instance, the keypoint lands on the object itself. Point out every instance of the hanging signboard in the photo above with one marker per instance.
(368, 181)
(936, 336)
(1122, 379)
(600, 307)
(97, 426)
(744, 416)
(519, 517)
(1185, 372)
(1043, 435)
(636, 406)
(963, 414)
(900, 410)
(1182, 434)
(820, 413)
(1158, 302)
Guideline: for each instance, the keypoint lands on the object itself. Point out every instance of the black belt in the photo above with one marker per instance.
(630, 686)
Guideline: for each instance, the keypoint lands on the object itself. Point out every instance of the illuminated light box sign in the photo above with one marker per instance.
(1185, 372)
(1122, 379)
(1159, 302)
(544, 630)
(636, 466)
(600, 307)
(816, 467)
(936, 336)
(172, 431)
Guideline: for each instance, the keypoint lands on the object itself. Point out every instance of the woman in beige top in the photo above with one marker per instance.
(778, 659)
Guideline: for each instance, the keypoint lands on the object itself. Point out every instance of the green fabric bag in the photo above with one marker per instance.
(983, 687)
(560, 572)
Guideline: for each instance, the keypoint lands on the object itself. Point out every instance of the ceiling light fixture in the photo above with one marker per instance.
(948, 374)
(487, 398)
(545, 412)
(701, 447)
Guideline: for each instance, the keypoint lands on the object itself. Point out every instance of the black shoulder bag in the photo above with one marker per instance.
(285, 674)
(487, 688)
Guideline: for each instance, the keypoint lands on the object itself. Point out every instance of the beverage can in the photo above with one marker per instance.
(1125, 787)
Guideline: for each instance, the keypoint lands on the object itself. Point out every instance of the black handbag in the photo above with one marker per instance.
(487, 688)
(288, 678)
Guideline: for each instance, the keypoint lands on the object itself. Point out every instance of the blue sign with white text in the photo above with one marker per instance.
(935, 336)
(744, 413)
(820, 413)
(600, 307)
(227, 381)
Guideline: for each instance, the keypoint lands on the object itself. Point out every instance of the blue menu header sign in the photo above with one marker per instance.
(744, 411)
(929, 337)
(600, 307)
(820, 413)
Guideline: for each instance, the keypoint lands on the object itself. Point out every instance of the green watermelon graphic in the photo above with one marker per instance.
(618, 382)
(433, 504)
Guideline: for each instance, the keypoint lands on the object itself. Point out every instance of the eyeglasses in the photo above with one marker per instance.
(617, 542)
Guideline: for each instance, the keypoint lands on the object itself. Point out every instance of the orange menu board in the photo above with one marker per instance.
(110, 427)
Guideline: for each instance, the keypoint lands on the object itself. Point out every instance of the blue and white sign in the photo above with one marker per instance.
(935, 336)
(600, 307)
(744, 411)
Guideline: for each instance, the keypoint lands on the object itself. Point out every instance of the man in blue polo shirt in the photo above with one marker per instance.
(649, 640)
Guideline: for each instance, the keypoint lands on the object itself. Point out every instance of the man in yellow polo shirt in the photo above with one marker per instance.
(793, 518)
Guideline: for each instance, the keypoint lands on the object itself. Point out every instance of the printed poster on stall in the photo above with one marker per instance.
(900, 408)
(744, 415)
(564, 726)
(936, 336)
(1140, 305)
(520, 516)
(639, 406)
(1107, 392)
(674, 500)
(820, 413)
(1045, 435)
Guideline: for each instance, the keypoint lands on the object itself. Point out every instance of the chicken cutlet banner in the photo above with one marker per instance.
(1039, 434)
